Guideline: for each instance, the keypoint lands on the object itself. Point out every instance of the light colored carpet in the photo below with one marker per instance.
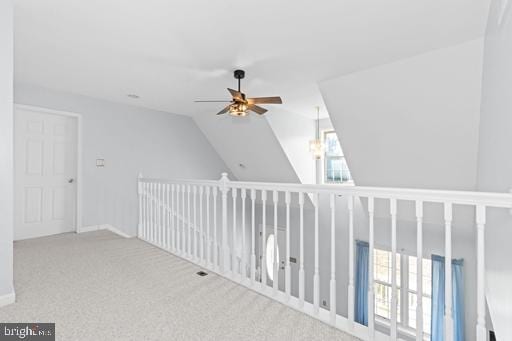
(99, 286)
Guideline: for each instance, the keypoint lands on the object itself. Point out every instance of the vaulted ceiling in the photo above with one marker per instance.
(172, 52)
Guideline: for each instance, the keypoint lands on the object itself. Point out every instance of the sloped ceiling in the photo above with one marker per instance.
(249, 147)
(412, 123)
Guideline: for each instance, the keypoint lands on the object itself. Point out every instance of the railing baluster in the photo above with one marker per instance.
(287, 269)
(194, 229)
(173, 225)
(201, 231)
(189, 223)
(263, 265)
(371, 249)
(151, 212)
(448, 318)
(215, 241)
(333, 262)
(159, 214)
(146, 211)
(183, 222)
(234, 260)
(419, 270)
(225, 246)
(141, 217)
(394, 288)
(208, 235)
(351, 286)
(481, 330)
(253, 236)
(301, 251)
(316, 276)
(244, 260)
(275, 282)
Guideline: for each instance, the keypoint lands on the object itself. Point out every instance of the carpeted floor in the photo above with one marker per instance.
(98, 286)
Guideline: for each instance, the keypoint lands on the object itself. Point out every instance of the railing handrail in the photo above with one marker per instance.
(490, 199)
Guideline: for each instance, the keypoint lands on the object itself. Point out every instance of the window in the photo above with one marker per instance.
(271, 253)
(406, 270)
(335, 167)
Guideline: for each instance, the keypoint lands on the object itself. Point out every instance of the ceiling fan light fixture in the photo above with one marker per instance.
(238, 109)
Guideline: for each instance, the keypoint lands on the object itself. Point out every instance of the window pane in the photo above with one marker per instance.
(332, 145)
(382, 262)
(334, 169)
(427, 277)
(383, 301)
(426, 312)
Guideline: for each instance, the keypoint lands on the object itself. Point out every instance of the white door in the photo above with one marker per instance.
(45, 173)
(271, 253)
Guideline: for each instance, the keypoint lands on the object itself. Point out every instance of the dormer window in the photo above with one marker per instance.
(335, 166)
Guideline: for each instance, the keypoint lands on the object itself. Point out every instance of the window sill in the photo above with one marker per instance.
(406, 331)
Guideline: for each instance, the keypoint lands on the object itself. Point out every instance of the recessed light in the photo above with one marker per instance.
(133, 96)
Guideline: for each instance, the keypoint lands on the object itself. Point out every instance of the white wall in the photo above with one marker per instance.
(131, 140)
(495, 161)
(293, 133)
(412, 123)
(6, 150)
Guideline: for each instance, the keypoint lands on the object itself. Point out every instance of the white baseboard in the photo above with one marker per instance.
(104, 227)
(7, 299)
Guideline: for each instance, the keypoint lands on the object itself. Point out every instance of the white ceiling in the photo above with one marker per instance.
(173, 52)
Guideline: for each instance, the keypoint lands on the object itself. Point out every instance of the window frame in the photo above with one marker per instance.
(328, 157)
(403, 319)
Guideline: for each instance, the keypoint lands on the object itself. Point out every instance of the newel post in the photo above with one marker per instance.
(139, 192)
(225, 246)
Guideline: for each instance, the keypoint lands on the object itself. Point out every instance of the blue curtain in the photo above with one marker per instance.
(361, 297)
(438, 299)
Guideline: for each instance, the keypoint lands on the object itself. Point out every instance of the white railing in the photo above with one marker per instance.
(192, 219)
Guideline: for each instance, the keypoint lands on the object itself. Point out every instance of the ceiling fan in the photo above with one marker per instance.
(240, 105)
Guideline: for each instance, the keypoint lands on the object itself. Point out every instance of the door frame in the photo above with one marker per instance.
(78, 117)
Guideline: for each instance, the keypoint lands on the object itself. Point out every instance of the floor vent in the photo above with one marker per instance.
(202, 273)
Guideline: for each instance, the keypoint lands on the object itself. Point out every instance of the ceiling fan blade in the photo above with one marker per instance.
(257, 109)
(213, 101)
(223, 111)
(265, 100)
(237, 95)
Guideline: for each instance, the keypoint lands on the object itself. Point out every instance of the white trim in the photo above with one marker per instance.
(78, 217)
(107, 227)
(7, 299)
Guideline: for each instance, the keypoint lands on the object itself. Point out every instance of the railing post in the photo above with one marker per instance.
(394, 285)
(253, 236)
(225, 247)
(419, 270)
(316, 275)
(481, 330)
(201, 227)
(215, 240)
(351, 286)
(448, 317)
(244, 259)
(263, 255)
(371, 248)
(234, 259)
(333, 261)
(301, 254)
(287, 269)
(139, 192)
(275, 282)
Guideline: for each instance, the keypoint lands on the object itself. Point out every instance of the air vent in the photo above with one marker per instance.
(202, 273)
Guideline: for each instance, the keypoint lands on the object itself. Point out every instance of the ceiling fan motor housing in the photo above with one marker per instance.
(239, 74)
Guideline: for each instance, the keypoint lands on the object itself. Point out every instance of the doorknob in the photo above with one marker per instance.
(70, 181)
